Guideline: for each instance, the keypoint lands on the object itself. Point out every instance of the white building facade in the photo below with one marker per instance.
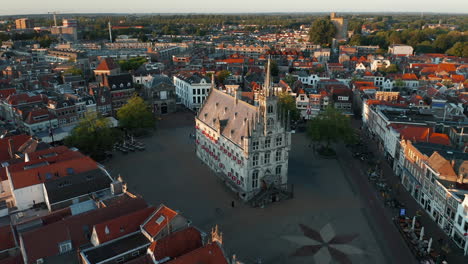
(192, 90)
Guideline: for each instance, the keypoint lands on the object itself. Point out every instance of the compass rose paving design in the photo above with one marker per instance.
(324, 245)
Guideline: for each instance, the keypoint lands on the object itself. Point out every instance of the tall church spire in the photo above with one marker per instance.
(267, 80)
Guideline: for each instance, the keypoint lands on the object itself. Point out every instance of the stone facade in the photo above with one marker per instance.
(246, 145)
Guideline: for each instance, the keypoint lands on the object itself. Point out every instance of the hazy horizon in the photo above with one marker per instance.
(240, 6)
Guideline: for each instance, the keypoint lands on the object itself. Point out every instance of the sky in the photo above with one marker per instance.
(8, 7)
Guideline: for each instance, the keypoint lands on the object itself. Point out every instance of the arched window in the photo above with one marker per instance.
(267, 142)
(278, 170)
(270, 123)
(255, 179)
(255, 160)
(266, 158)
(270, 109)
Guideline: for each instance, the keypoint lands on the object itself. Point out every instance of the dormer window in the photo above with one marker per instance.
(65, 246)
(121, 85)
(114, 86)
(128, 84)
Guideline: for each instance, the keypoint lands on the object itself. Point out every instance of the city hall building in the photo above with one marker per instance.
(246, 145)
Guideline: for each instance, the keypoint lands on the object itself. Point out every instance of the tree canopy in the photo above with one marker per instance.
(330, 126)
(74, 71)
(459, 49)
(93, 136)
(135, 114)
(131, 64)
(322, 31)
(287, 103)
(223, 75)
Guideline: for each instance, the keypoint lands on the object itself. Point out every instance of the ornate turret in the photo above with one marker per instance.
(216, 236)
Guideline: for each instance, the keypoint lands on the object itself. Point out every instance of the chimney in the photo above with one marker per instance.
(26, 157)
(10, 147)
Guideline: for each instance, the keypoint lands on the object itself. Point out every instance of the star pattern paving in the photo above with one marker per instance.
(324, 245)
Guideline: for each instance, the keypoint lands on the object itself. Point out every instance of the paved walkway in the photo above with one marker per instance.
(411, 206)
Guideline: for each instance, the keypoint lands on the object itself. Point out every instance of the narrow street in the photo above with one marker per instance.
(455, 254)
(380, 220)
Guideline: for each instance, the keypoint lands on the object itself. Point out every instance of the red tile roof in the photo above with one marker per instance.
(4, 93)
(73, 228)
(18, 259)
(409, 76)
(107, 64)
(421, 134)
(6, 238)
(15, 99)
(17, 141)
(152, 227)
(33, 176)
(122, 225)
(177, 244)
(209, 254)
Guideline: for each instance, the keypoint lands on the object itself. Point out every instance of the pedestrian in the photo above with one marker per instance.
(232, 204)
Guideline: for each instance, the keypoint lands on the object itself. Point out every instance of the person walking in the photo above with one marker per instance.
(232, 204)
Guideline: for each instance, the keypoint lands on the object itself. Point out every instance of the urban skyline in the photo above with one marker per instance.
(241, 6)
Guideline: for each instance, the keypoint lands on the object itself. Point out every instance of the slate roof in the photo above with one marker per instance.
(116, 247)
(124, 79)
(76, 185)
(235, 114)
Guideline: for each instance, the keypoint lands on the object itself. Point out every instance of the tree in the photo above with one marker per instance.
(395, 38)
(459, 49)
(392, 68)
(274, 68)
(93, 136)
(322, 31)
(74, 71)
(223, 75)
(288, 103)
(131, 64)
(355, 40)
(135, 115)
(290, 80)
(330, 126)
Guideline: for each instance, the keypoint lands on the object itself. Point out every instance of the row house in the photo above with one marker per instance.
(36, 120)
(8, 105)
(121, 90)
(436, 176)
(66, 111)
(46, 180)
(102, 98)
(251, 51)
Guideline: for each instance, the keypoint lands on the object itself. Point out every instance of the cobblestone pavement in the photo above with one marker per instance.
(326, 201)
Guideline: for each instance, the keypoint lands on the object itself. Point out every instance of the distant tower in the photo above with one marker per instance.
(110, 32)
